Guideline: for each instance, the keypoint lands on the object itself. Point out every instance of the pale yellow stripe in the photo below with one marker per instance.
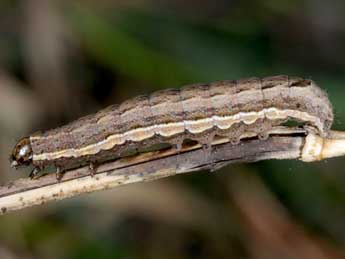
(170, 129)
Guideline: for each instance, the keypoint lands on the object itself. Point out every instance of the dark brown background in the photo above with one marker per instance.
(63, 59)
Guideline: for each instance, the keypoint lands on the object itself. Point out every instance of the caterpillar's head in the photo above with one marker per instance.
(22, 153)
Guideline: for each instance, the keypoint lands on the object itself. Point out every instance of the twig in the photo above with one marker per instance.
(154, 165)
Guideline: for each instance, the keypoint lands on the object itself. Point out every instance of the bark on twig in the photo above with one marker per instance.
(154, 165)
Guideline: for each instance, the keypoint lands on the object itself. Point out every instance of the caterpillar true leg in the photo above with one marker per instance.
(35, 171)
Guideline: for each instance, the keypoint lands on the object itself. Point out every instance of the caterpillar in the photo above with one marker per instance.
(198, 112)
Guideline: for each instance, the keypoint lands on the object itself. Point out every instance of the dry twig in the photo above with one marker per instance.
(154, 165)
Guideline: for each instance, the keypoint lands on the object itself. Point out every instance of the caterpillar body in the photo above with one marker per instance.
(198, 112)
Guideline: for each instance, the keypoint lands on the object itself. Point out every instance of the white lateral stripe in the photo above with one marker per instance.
(171, 129)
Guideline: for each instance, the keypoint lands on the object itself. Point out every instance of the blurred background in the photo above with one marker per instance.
(60, 60)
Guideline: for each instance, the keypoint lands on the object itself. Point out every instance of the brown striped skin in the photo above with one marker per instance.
(191, 103)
